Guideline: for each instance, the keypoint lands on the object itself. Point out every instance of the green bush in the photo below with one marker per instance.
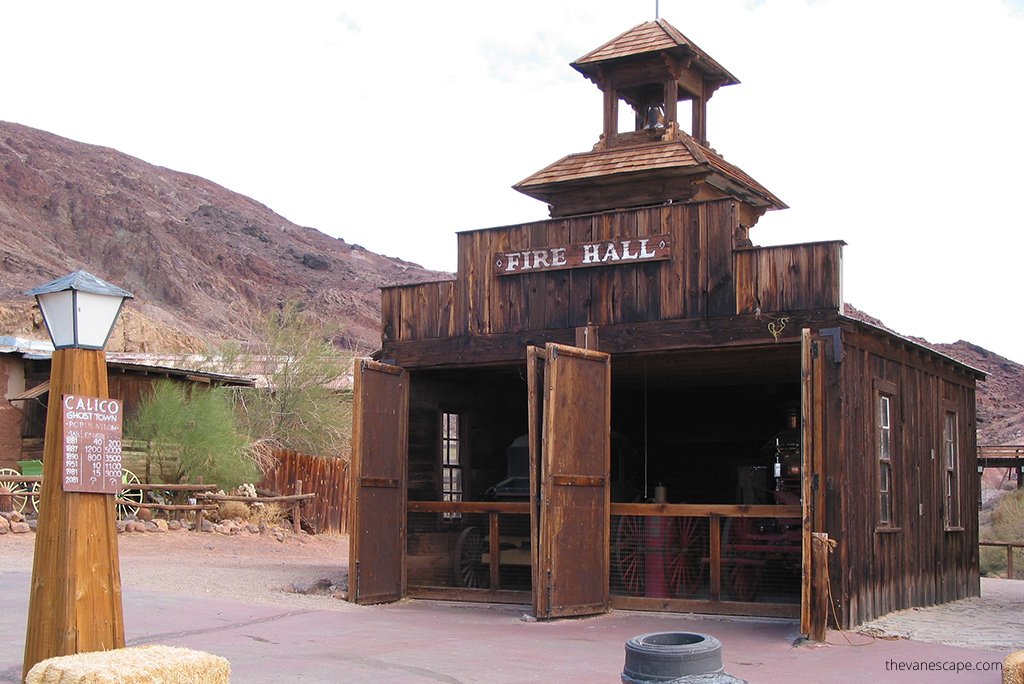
(1007, 526)
(193, 433)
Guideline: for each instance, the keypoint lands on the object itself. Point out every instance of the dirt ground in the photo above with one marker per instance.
(254, 569)
(248, 568)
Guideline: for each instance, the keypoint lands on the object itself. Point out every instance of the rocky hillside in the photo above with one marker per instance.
(202, 261)
(1000, 397)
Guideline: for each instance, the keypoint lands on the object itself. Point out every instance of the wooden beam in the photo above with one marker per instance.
(676, 334)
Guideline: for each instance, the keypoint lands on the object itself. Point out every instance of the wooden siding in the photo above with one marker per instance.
(704, 278)
(789, 277)
(917, 560)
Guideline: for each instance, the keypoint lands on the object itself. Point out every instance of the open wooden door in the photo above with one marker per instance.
(570, 407)
(377, 485)
(814, 589)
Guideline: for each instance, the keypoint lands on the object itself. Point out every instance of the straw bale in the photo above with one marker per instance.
(1013, 668)
(136, 665)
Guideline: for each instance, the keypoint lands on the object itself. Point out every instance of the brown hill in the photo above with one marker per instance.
(202, 261)
(1000, 397)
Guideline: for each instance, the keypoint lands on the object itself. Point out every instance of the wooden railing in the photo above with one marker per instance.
(715, 556)
(34, 492)
(484, 566)
(199, 509)
(1010, 547)
(296, 501)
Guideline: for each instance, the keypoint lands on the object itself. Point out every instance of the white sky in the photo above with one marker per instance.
(895, 125)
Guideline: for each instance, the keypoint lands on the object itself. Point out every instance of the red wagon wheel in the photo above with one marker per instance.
(745, 567)
(629, 553)
(688, 544)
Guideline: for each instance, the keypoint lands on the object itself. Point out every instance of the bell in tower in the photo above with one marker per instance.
(651, 69)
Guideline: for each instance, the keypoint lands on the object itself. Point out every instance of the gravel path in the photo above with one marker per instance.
(994, 620)
(245, 568)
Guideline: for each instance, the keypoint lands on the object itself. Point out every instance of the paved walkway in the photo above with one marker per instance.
(422, 642)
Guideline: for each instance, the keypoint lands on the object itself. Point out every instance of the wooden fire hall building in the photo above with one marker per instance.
(630, 405)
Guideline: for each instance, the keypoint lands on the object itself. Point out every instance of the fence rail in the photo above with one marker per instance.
(739, 559)
(469, 550)
(1010, 547)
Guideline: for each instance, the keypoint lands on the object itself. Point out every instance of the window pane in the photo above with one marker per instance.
(451, 470)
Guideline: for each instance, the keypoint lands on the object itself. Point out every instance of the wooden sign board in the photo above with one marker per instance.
(615, 252)
(92, 444)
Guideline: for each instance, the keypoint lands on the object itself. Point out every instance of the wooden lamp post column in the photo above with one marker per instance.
(75, 595)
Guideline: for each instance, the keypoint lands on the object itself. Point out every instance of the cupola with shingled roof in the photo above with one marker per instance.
(651, 68)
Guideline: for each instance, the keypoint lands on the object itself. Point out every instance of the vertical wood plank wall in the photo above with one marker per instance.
(328, 477)
(705, 277)
(919, 562)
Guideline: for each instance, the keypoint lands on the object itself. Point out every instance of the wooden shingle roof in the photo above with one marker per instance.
(681, 157)
(652, 37)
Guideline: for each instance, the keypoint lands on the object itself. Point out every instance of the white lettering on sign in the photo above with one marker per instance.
(92, 444)
(599, 253)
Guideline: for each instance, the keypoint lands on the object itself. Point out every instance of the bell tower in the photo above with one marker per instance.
(666, 80)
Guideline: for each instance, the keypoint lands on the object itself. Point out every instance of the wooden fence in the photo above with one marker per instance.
(1010, 548)
(327, 477)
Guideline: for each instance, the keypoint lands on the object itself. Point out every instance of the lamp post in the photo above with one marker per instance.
(75, 595)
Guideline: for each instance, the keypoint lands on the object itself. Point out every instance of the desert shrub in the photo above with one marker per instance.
(229, 510)
(193, 432)
(1007, 526)
(306, 405)
(269, 513)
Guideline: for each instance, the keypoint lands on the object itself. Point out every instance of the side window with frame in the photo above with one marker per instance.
(951, 469)
(452, 458)
(885, 451)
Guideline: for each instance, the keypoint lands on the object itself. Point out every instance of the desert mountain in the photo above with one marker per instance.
(1000, 401)
(202, 261)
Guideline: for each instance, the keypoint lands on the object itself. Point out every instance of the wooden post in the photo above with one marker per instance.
(818, 616)
(201, 513)
(715, 553)
(296, 518)
(495, 551)
(1009, 562)
(75, 595)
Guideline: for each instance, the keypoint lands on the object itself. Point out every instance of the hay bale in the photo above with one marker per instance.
(1013, 668)
(137, 665)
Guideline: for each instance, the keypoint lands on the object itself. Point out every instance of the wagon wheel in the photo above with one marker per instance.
(743, 578)
(133, 495)
(629, 553)
(470, 570)
(37, 492)
(688, 544)
(13, 495)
